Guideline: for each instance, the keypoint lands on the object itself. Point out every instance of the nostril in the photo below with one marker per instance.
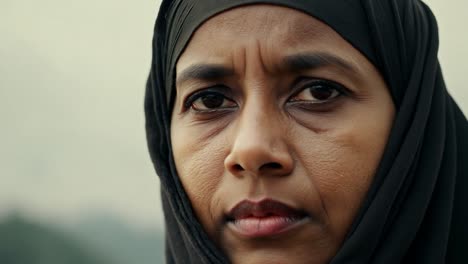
(238, 167)
(272, 165)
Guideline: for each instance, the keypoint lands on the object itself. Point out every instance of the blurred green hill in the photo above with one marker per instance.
(126, 244)
(23, 242)
(101, 240)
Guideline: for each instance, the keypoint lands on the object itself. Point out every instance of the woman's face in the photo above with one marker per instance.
(277, 130)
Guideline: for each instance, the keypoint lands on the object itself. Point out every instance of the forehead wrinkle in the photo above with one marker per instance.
(262, 62)
(238, 60)
(287, 31)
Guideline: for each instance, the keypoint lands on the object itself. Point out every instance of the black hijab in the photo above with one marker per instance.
(415, 209)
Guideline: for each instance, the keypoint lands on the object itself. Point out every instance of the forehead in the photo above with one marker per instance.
(274, 29)
(263, 20)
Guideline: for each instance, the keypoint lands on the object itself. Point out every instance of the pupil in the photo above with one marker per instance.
(321, 93)
(212, 101)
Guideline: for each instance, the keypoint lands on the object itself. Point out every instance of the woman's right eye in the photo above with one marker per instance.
(208, 101)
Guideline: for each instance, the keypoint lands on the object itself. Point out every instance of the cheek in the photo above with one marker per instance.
(341, 163)
(200, 168)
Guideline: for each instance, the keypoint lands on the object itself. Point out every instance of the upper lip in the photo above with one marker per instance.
(261, 209)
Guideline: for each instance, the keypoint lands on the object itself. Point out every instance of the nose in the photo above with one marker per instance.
(260, 145)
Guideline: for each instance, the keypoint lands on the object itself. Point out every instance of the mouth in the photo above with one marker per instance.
(264, 219)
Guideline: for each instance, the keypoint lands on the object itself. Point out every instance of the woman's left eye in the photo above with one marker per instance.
(317, 92)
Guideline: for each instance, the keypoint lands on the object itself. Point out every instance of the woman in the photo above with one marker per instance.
(290, 131)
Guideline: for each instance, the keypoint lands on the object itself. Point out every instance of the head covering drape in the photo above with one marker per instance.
(415, 209)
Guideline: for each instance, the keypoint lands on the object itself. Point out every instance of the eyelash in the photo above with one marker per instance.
(213, 90)
(305, 83)
(308, 84)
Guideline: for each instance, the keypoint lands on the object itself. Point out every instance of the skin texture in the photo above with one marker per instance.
(266, 135)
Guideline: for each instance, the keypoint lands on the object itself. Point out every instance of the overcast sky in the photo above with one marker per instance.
(72, 77)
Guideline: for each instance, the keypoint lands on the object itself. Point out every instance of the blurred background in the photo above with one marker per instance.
(77, 184)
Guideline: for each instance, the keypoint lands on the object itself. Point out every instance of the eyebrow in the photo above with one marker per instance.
(313, 60)
(205, 72)
(293, 63)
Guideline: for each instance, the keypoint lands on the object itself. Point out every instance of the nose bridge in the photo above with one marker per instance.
(259, 140)
(260, 121)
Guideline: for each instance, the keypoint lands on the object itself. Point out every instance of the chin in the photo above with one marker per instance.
(279, 256)
(311, 244)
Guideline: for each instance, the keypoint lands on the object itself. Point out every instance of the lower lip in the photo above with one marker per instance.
(266, 226)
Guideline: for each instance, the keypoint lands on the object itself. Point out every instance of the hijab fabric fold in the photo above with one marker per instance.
(415, 209)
